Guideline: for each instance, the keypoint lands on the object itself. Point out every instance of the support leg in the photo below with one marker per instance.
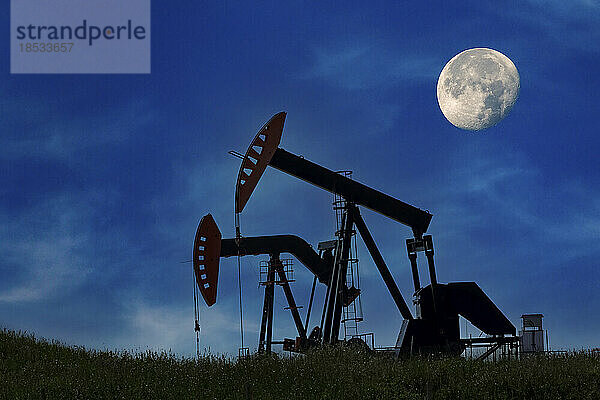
(271, 295)
(333, 286)
(388, 279)
(289, 296)
(310, 302)
(324, 312)
(343, 267)
(412, 256)
(428, 245)
(265, 314)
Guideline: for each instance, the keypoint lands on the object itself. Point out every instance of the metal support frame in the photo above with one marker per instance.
(425, 244)
(277, 244)
(266, 326)
(341, 278)
(388, 279)
(328, 307)
(412, 256)
(276, 263)
(337, 282)
(428, 244)
(413, 246)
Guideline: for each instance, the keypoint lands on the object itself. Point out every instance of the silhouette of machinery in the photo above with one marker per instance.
(434, 328)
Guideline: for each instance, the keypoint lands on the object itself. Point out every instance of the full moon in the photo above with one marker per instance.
(477, 88)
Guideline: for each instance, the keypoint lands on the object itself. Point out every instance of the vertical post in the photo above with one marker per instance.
(412, 256)
(428, 247)
(271, 295)
(343, 261)
(265, 314)
(333, 282)
(428, 244)
(339, 300)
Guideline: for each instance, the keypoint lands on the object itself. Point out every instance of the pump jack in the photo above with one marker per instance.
(434, 329)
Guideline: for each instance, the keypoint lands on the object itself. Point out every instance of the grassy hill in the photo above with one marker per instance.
(38, 369)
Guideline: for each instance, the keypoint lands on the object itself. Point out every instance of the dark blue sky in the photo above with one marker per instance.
(105, 177)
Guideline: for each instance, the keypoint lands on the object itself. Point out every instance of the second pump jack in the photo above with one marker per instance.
(434, 328)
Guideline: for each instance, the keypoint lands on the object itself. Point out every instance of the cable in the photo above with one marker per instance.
(196, 315)
(240, 293)
(238, 236)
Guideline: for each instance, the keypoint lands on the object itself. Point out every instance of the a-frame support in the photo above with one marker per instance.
(288, 295)
(266, 326)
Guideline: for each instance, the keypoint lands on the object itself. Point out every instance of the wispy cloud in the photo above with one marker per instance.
(171, 327)
(158, 327)
(573, 24)
(47, 134)
(518, 203)
(364, 66)
(44, 249)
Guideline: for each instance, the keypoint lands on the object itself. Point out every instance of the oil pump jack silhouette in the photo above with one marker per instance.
(434, 328)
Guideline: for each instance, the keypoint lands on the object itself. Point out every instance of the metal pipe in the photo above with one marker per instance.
(278, 244)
